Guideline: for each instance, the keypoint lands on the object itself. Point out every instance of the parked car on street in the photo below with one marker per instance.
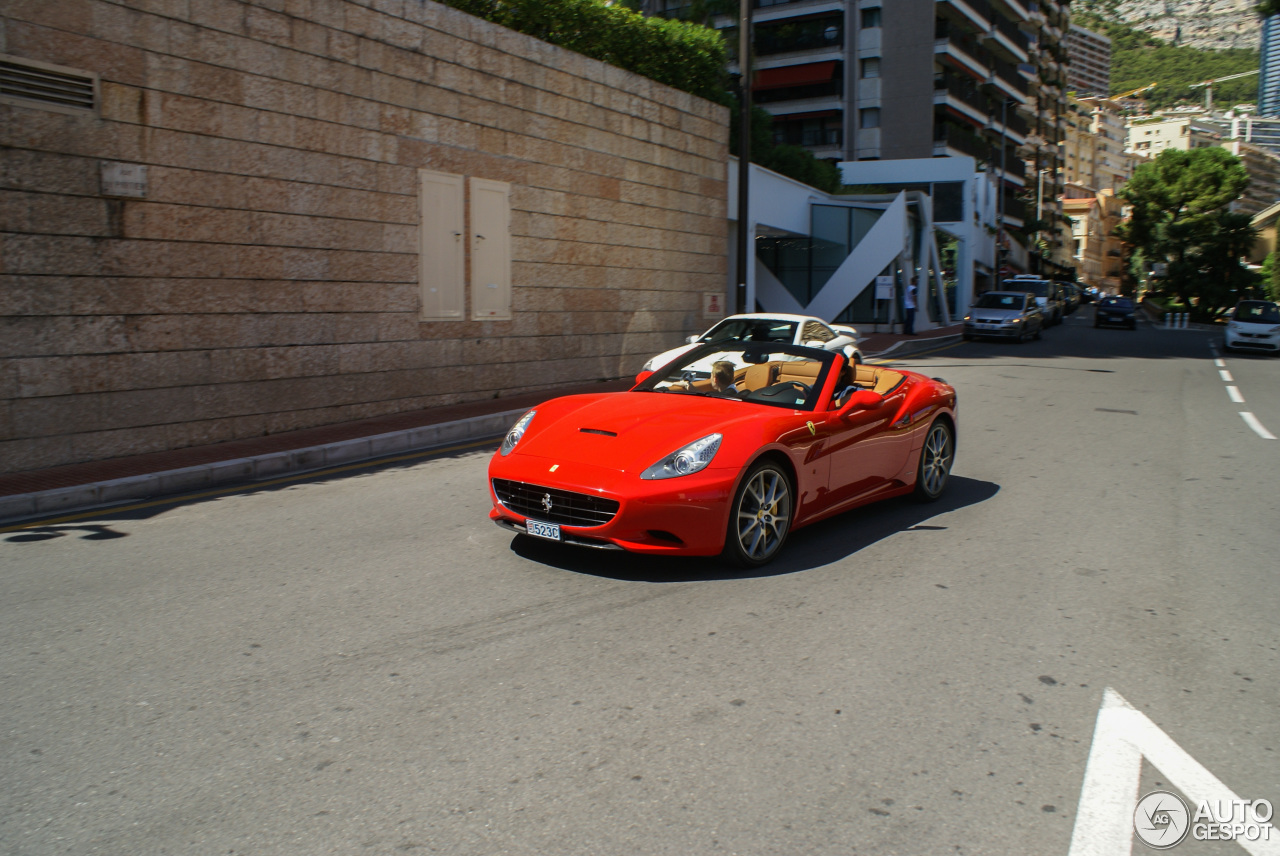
(1046, 291)
(1116, 312)
(695, 468)
(1004, 314)
(802, 330)
(1254, 325)
(1070, 297)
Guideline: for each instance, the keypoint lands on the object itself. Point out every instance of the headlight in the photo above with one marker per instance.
(967, 318)
(1274, 330)
(516, 432)
(682, 462)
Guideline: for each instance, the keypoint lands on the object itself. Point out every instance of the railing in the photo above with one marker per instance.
(963, 89)
(1009, 74)
(1011, 32)
(961, 140)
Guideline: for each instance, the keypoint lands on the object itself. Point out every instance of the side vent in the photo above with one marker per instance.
(49, 87)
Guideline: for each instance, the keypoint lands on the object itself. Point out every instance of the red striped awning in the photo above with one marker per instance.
(795, 75)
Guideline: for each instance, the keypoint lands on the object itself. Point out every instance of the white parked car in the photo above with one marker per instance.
(766, 327)
(1254, 325)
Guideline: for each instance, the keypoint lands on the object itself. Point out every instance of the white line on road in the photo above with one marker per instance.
(1225, 375)
(1122, 737)
(1219, 363)
(1258, 427)
(1234, 392)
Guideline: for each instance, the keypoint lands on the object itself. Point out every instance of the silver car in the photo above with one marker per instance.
(1005, 314)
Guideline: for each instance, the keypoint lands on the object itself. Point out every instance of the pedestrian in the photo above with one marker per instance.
(909, 304)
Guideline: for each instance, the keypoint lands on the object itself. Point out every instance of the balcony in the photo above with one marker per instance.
(1016, 37)
(1006, 76)
(963, 89)
(952, 43)
(949, 136)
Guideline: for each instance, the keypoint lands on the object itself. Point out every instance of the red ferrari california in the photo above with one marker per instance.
(724, 462)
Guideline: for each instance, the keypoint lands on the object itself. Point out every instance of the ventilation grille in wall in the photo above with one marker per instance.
(52, 87)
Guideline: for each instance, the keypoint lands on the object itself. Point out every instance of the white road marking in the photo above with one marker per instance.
(1122, 737)
(1234, 392)
(1225, 375)
(1258, 427)
(1219, 363)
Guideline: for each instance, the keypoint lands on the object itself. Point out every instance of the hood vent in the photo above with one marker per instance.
(599, 431)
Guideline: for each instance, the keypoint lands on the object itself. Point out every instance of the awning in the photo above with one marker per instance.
(795, 75)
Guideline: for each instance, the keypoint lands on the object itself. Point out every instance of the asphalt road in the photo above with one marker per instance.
(363, 663)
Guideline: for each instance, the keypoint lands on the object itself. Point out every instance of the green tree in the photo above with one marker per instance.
(1179, 218)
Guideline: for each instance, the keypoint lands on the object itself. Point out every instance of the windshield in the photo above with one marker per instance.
(776, 375)
(752, 330)
(1038, 287)
(1258, 312)
(996, 300)
(1116, 303)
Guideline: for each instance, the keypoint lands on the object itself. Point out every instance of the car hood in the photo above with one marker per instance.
(630, 431)
(995, 314)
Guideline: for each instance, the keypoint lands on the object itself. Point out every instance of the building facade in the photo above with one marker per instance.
(1148, 136)
(223, 221)
(1089, 68)
(864, 80)
(1269, 71)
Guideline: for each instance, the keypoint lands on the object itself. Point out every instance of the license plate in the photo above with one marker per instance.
(550, 531)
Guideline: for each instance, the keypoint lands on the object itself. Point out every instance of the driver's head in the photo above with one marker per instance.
(722, 375)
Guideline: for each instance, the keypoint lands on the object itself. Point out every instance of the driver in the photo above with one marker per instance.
(845, 384)
(722, 372)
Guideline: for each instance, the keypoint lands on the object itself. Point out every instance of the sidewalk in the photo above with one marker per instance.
(75, 487)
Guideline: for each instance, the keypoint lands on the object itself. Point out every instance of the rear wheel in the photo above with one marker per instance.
(935, 461)
(760, 516)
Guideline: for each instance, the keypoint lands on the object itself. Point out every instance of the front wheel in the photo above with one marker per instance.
(935, 461)
(760, 516)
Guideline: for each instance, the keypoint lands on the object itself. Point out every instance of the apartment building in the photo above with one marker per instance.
(1089, 71)
(1263, 167)
(1269, 73)
(862, 80)
(1094, 146)
(1148, 136)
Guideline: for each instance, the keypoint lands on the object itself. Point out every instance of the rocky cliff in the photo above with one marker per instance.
(1215, 24)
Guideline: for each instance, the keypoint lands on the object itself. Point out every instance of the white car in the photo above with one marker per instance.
(764, 327)
(1254, 325)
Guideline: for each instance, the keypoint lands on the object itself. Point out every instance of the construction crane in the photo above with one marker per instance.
(1132, 92)
(1208, 87)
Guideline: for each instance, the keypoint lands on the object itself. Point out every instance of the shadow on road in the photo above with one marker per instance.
(812, 547)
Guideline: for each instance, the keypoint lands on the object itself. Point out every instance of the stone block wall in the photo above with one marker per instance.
(268, 279)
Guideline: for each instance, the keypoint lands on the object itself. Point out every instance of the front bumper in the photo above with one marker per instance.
(1253, 341)
(1002, 331)
(684, 516)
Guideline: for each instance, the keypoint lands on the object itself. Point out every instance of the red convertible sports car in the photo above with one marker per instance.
(726, 462)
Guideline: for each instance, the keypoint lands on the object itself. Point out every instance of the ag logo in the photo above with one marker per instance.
(1161, 820)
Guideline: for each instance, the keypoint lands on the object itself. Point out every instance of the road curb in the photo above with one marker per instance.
(905, 348)
(246, 471)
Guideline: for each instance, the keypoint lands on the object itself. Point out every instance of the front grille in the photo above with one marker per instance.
(567, 508)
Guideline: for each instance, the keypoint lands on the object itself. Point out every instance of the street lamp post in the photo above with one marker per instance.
(744, 153)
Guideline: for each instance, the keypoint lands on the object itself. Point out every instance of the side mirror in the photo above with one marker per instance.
(863, 399)
(693, 339)
(642, 377)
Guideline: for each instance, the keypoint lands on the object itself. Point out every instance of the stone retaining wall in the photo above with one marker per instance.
(268, 280)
